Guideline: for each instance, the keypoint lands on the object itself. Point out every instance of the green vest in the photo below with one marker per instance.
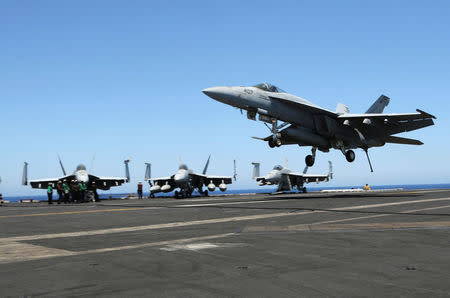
(66, 187)
(49, 189)
(83, 186)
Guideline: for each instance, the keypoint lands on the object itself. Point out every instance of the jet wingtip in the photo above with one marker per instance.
(425, 113)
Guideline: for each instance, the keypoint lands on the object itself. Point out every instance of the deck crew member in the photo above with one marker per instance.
(50, 193)
(139, 190)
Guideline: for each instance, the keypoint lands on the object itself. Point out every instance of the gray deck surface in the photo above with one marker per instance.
(390, 244)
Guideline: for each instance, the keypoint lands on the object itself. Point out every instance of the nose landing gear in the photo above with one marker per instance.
(275, 141)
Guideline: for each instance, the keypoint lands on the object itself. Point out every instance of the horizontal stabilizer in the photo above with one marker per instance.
(398, 140)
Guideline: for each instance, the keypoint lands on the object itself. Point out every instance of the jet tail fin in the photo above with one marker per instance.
(127, 170)
(62, 166)
(378, 106)
(342, 109)
(235, 172)
(206, 165)
(330, 170)
(148, 171)
(406, 141)
(256, 172)
(25, 174)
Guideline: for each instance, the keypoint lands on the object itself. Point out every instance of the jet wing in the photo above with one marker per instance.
(163, 181)
(107, 182)
(206, 179)
(308, 178)
(43, 183)
(393, 123)
(300, 178)
(421, 115)
(305, 105)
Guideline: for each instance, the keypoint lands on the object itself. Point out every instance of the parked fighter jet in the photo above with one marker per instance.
(186, 180)
(287, 179)
(310, 125)
(81, 175)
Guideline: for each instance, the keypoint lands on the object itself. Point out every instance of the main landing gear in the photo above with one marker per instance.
(183, 194)
(310, 159)
(350, 155)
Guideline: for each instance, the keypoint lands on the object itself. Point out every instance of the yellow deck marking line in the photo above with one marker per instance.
(202, 222)
(76, 212)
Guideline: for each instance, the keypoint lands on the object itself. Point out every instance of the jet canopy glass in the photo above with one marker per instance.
(183, 167)
(270, 88)
(278, 168)
(81, 168)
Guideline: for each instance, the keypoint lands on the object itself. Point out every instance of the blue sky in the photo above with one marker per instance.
(123, 79)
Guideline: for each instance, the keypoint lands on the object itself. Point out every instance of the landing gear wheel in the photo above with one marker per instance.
(206, 193)
(304, 189)
(309, 160)
(152, 195)
(350, 155)
(271, 143)
(177, 195)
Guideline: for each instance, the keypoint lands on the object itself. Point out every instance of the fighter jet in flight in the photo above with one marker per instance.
(307, 124)
(187, 181)
(80, 175)
(287, 179)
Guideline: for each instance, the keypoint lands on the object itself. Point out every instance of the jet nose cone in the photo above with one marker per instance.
(218, 93)
(179, 177)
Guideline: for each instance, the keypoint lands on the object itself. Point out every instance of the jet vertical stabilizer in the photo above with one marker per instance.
(62, 167)
(148, 171)
(330, 170)
(206, 165)
(25, 174)
(256, 172)
(127, 170)
(379, 105)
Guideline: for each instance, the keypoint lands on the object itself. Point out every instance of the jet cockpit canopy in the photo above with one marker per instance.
(270, 88)
(278, 167)
(183, 167)
(81, 167)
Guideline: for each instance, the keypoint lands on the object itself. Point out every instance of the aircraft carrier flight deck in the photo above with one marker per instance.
(389, 243)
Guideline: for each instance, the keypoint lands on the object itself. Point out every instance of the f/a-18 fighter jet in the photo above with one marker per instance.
(287, 179)
(187, 181)
(307, 124)
(79, 176)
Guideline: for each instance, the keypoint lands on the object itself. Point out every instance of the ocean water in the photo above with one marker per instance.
(239, 191)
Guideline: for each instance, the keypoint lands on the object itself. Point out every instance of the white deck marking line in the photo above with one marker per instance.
(306, 227)
(335, 209)
(20, 252)
(77, 212)
(204, 221)
(378, 215)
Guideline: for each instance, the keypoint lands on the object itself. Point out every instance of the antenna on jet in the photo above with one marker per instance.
(92, 163)
(62, 166)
